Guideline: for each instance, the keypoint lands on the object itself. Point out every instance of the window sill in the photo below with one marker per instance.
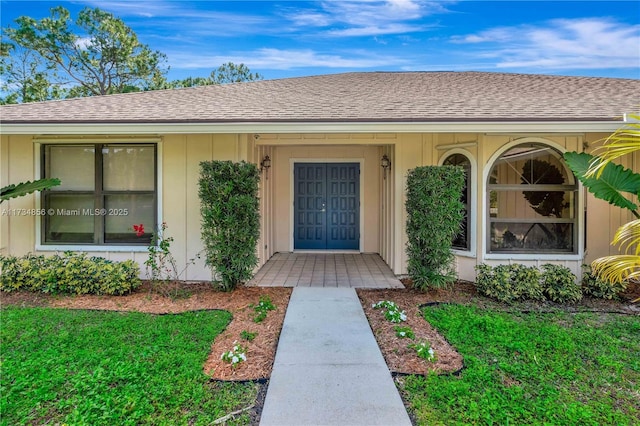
(464, 253)
(91, 248)
(534, 256)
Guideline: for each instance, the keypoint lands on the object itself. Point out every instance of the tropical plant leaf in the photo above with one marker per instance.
(622, 142)
(628, 237)
(617, 268)
(24, 188)
(609, 185)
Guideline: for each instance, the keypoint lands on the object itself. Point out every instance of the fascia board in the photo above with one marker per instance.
(308, 127)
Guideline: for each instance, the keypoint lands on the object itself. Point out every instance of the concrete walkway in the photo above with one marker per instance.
(328, 368)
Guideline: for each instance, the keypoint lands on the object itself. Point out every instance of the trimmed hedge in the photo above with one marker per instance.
(230, 212)
(70, 273)
(435, 214)
(510, 283)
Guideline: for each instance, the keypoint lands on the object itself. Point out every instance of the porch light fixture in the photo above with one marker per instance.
(265, 164)
(385, 163)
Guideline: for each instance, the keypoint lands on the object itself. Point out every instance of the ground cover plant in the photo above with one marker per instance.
(97, 367)
(532, 368)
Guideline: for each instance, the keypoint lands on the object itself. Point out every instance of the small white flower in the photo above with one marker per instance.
(235, 359)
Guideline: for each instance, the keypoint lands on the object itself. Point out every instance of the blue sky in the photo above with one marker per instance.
(294, 38)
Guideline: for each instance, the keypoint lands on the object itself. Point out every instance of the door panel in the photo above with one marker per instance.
(327, 206)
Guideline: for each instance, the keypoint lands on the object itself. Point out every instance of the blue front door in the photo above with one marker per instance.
(326, 206)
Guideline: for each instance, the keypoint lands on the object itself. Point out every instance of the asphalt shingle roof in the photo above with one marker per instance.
(356, 97)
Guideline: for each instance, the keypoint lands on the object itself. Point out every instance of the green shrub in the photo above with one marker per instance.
(593, 286)
(527, 281)
(230, 219)
(560, 284)
(70, 273)
(509, 283)
(435, 214)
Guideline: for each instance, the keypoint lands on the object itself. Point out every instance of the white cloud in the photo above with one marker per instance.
(83, 43)
(365, 17)
(588, 43)
(283, 59)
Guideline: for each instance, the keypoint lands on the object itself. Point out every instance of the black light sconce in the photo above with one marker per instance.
(385, 163)
(265, 164)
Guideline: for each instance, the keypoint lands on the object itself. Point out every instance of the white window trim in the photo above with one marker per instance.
(579, 256)
(473, 201)
(292, 162)
(102, 248)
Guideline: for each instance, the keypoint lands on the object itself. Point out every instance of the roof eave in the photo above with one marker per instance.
(157, 128)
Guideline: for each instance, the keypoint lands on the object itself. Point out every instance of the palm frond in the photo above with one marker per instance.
(617, 268)
(623, 141)
(627, 237)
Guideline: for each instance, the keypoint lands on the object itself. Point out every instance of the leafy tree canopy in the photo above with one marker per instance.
(97, 54)
(225, 73)
(104, 57)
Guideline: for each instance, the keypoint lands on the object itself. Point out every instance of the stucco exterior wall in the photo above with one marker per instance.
(383, 197)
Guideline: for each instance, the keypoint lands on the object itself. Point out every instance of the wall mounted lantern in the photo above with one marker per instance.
(265, 164)
(386, 164)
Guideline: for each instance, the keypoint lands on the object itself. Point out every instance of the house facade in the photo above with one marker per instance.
(334, 152)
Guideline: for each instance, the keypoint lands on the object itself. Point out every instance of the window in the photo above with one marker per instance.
(532, 202)
(105, 190)
(461, 241)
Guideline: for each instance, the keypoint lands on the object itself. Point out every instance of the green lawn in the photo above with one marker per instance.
(533, 368)
(94, 367)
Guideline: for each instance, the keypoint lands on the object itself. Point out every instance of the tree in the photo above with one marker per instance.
(106, 57)
(232, 73)
(225, 73)
(610, 182)
(25, 76)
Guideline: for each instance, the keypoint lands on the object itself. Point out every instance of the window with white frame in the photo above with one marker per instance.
(107, 196)
(532, 202)
(462, 241)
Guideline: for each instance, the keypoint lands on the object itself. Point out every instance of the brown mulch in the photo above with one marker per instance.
(399, 357)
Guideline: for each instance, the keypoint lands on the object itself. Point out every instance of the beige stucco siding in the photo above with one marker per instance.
(603, 220)
(179, 157)
(383, 199)
(180, 169)
(18, 165)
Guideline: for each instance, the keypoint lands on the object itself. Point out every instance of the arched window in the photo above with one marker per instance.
(462, 240)
(532, 202)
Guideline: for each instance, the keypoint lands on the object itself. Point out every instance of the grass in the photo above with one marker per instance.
(105, 368)
(533, 368)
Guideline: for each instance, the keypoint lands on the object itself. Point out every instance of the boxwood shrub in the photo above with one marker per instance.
(69, 273)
